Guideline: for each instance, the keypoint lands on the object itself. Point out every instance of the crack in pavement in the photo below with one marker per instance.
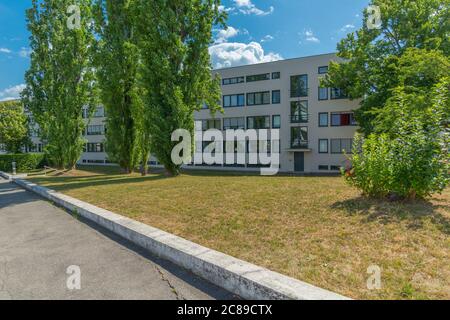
(178, 295)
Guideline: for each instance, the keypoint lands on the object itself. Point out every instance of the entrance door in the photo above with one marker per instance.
(299, 161)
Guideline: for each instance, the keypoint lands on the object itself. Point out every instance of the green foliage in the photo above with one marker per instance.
(13, 126)
(412, 158)
(24, 162)
(60, 80)
(380, 60)
(176, 72)
(117, 61)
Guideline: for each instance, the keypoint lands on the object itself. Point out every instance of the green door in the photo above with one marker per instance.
(299, 162)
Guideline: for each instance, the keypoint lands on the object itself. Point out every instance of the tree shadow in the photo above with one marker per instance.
(414, 213)
(71, 183)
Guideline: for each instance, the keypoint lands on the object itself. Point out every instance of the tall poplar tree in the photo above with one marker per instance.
(117, 62)
(60, 81)
(176, 73)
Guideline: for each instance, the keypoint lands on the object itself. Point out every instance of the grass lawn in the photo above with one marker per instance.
(316, 229)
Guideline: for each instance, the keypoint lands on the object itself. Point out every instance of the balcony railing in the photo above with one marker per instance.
(299, 144)
(299, 93)
(304, 118)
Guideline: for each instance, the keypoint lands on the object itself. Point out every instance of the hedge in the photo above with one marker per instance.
(24, 162)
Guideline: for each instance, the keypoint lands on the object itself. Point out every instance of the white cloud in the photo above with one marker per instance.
(5, 50)
(12, 93)
(226, 55)
(226, 9)
(248, 8)
(310, 37)
(25, 52)
(225, 34)
(347, 27)
(267, 38)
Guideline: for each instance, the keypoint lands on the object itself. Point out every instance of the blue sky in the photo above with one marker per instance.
(259, 31)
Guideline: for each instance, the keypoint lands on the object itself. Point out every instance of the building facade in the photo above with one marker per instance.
(316, 124)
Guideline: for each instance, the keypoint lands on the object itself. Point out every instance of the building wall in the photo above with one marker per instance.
(288, 68)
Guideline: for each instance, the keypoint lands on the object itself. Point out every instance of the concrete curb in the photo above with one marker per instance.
(239, 277)
(10, 177)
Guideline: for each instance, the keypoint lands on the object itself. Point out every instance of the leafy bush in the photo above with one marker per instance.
(24, 162)
(411, 159)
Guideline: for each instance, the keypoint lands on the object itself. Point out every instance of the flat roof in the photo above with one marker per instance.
(276, 61)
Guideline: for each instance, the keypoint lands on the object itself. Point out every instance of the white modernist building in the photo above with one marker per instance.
(316, 124)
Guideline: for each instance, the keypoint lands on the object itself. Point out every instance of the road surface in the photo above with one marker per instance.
(45, 253)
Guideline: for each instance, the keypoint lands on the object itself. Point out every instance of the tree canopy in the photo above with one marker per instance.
(13, 126)
(411, 48)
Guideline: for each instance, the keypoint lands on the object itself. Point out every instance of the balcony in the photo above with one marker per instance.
(299, 93)
(304, 118)
(299, 144)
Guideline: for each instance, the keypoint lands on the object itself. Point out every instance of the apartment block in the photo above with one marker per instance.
(317, 125)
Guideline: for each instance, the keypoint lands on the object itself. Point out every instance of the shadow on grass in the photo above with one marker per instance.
(71, 183)
(385, 212)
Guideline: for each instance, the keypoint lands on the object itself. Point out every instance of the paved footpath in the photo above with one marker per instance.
(39, 242)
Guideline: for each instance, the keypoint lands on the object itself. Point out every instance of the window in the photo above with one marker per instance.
(258, 98)
(260, 122)
(276, 97)
(323, 93)
(276, 75)
(323, 70)
(235, 80)
(337, 93)
(299, 111)
(323, 146)
(99, 113)
(276, 122)
(299, 86)
(258, 77)
(335, 168)
(299, 137)
(211, 124)
(235, 100)
(323, 119)
(339, 146)
(342, 119)
(323, 168)
(95, 130)
(94, 147)
(233, 123)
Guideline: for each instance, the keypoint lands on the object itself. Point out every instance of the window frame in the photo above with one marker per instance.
(229, 96)
(328, 120)
(279, 96)
(267, 119)
(258, 77)
(293, 93)
(273, 122)
(328, 146)
(254, 94)
(321, 67)
(327, 96)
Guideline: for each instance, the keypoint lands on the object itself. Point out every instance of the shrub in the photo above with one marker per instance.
(24, 162)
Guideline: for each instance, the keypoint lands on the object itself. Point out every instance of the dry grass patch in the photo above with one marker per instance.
(316, 229)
